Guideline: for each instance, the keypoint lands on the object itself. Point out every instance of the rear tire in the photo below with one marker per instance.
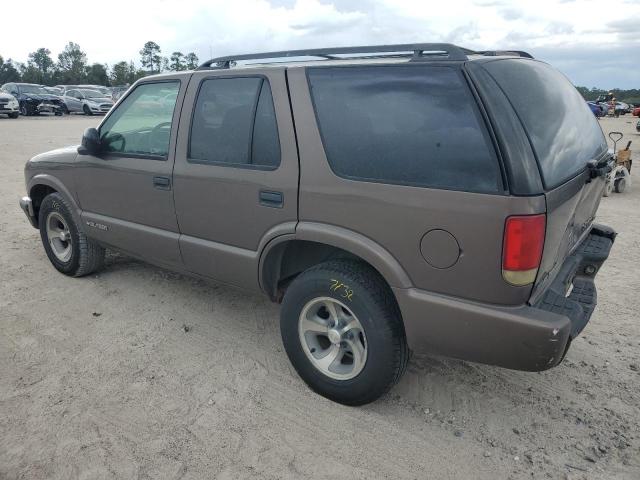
(620, 185)
(70, 251)
(370, 356)
(608, 188)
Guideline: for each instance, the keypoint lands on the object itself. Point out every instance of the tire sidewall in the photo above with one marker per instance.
(55, 203)
(366, 307)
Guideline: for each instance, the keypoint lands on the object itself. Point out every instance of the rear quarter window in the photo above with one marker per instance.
(408, 125)
(563, 132)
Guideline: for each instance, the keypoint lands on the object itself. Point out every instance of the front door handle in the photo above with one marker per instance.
(163, 183)
(271, 199)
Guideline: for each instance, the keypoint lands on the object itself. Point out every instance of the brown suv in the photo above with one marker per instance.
(391, 197)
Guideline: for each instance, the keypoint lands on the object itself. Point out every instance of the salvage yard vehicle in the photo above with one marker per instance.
(33, 99)
(9, 105)
(89, 102)
(389, 197)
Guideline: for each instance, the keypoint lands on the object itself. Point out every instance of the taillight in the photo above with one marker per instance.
(522, 248)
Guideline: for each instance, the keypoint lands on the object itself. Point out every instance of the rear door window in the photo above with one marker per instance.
(408, 125)
(234, 124)
(564, 134)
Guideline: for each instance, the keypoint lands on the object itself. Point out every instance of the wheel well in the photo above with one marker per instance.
(287, 260)
(37, 194)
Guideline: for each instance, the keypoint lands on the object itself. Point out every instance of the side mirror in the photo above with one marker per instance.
(90, 144)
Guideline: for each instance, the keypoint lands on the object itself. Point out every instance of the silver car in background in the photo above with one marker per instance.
(86, 101)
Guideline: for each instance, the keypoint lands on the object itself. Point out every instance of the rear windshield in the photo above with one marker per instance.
(563, 131)
(407, 125)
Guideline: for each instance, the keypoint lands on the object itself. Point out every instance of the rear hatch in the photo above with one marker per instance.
(565, 136)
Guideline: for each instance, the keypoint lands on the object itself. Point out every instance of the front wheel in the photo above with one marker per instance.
(343, 332)
(86, 110)
(70, 251)
(24, 110)
(14, 115)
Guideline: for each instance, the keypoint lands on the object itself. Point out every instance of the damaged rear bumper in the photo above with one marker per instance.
(526, 337)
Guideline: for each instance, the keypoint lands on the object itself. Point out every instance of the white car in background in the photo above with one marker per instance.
(9, 105)
(89, 102)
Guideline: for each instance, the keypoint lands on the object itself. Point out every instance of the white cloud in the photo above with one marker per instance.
(116, 30)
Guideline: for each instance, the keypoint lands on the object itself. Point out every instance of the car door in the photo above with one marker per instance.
(72, 102)
(125, 192)
(236, 172)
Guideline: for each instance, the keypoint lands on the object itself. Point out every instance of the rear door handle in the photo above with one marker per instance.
(271, 199)
(163, 183)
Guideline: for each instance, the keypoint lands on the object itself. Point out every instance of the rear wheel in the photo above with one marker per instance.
(343, 332)
(70, 251)
(608, 188)
(620, 185)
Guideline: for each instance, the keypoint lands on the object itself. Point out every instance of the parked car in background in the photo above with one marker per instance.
(597, 109)
(54, 90)
(636, 112)
(117, 92)
(9, 105)
(89, 102)
(33, 99)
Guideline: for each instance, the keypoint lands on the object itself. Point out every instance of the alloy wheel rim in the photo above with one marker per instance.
(59, 236)
(332, 338)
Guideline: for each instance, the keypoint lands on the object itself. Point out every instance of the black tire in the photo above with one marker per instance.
(86, 255)
(620, 185)
(25, 110)
(14, 115)
(65, 110)
(87, 110)
(373, 303)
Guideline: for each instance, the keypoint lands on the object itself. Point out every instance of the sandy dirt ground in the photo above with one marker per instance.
(139, 373)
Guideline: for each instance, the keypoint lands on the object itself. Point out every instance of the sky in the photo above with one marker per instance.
(594, 42)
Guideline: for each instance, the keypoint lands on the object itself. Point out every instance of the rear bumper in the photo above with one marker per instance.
(527, 337)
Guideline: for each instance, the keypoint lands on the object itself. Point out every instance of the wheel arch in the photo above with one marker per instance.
(284, 257)
(39, 186)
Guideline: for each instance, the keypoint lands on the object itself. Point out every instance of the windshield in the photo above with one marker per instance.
(32, 89)
(92, 94)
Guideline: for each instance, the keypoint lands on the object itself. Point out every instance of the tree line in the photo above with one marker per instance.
(73, 67)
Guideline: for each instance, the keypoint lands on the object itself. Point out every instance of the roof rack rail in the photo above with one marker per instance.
(420, 51)
(496, 53)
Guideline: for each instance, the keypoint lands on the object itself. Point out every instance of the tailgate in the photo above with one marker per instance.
(571, 209)
(565, 138)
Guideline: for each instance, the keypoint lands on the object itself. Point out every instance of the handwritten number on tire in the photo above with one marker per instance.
(341, 288)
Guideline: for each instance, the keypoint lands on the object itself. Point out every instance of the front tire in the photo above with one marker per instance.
(14, 115)
(69, 250)
(343, 332)
(87, 110)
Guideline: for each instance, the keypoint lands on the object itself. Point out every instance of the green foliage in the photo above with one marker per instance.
(177, 62)
(96, 74)
(72, 65)
(40, 66)
(8, 71)
(150, 57)
(191, 60)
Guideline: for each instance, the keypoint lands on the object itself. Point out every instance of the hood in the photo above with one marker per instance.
(6, 96)
(41, 96)
(100, 100)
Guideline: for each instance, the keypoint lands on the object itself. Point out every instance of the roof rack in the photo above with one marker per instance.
(497, 53)
(419, 52)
